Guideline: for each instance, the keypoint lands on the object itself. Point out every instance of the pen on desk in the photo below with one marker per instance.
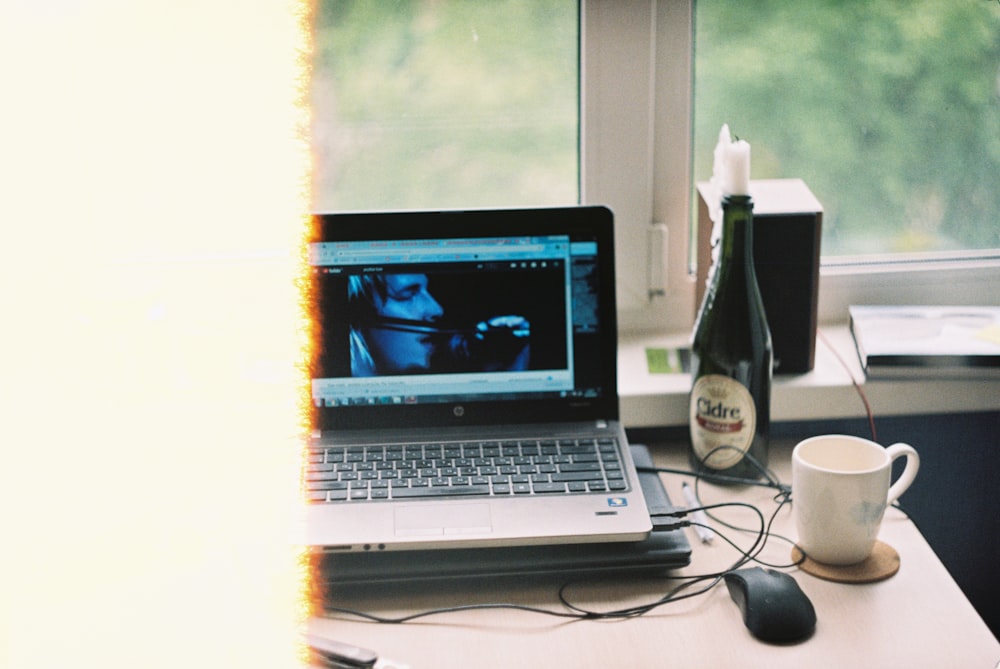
(704, 533)
(337, 655)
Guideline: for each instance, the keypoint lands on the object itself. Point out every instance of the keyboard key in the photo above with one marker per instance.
(445, 491)
(549, 487)
(322, 476)
(577, 476)
(327, 485)
(581, 467)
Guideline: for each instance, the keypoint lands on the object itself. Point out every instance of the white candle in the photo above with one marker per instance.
(718, 156)
(736, 170)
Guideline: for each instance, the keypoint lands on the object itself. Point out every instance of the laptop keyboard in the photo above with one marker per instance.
(508, 467)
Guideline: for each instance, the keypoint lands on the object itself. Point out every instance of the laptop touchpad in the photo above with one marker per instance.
(449, 518)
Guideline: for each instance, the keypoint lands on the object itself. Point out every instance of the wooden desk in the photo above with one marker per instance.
(918, 618)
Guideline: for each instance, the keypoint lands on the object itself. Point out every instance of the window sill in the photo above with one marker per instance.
(660, 400)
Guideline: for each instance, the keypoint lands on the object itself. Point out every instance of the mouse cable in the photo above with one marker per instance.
(399, 620)
(715, 478)
(677, 593)
(782, 496)
(674, 595)
(770, 478)
(761, 533)
(576, 612)
(780, 499)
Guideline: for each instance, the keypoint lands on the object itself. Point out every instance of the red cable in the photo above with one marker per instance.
(857, 384)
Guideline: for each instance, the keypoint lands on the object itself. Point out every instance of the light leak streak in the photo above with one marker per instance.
(153, 212)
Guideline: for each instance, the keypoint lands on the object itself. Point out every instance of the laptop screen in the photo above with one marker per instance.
(463, 317)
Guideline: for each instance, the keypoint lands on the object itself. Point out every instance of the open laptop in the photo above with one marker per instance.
(464, 382)
(664, 550)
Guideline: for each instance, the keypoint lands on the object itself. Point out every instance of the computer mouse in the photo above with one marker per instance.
(773, 605)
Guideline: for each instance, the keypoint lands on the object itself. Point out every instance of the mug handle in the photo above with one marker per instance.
(909, 472)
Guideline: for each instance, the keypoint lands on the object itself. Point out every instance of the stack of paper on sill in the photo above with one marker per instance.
(927, 341)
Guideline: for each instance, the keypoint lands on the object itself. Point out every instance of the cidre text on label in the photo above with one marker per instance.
(723, 420)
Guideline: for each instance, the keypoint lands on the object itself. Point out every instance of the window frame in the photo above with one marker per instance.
(636, 117)
(635, 150)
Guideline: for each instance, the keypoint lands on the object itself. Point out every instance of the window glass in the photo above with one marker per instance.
(445, 103)
(890, 112)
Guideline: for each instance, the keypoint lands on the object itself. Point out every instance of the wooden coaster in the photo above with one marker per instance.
(883, 563)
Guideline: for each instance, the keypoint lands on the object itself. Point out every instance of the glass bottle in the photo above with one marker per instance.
(731, 366)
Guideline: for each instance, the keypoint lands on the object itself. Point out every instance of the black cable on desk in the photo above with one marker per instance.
(576, 612)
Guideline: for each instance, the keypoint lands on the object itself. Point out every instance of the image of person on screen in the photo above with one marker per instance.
(395, 328)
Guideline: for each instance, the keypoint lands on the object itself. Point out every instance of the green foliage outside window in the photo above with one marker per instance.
(889, 110)
(422, 104)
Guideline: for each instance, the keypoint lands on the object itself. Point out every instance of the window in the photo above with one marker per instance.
(445, 104)
(519, 103)
(889, 111)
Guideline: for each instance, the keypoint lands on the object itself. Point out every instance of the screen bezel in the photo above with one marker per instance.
(583, 222)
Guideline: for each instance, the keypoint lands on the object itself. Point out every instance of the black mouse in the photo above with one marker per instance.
(773, 605)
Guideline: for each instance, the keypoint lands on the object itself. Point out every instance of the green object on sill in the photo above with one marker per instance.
(668, 360)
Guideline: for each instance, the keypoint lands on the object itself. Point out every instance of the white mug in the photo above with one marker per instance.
(840, 489)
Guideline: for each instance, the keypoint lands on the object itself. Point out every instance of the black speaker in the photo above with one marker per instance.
(786, 257)
(786, 240)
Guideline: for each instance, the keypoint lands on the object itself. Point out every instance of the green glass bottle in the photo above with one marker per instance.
(731, 366)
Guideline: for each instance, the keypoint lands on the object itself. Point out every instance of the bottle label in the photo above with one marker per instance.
(723, 419)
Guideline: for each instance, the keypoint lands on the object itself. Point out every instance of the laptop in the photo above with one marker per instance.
(463, 382)
(664, 550)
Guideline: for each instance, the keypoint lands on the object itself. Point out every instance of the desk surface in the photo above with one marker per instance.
(918, 618)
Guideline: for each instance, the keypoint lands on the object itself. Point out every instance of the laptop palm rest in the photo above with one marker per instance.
(432, 519)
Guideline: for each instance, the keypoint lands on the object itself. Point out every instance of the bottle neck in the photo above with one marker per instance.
(737, 232)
